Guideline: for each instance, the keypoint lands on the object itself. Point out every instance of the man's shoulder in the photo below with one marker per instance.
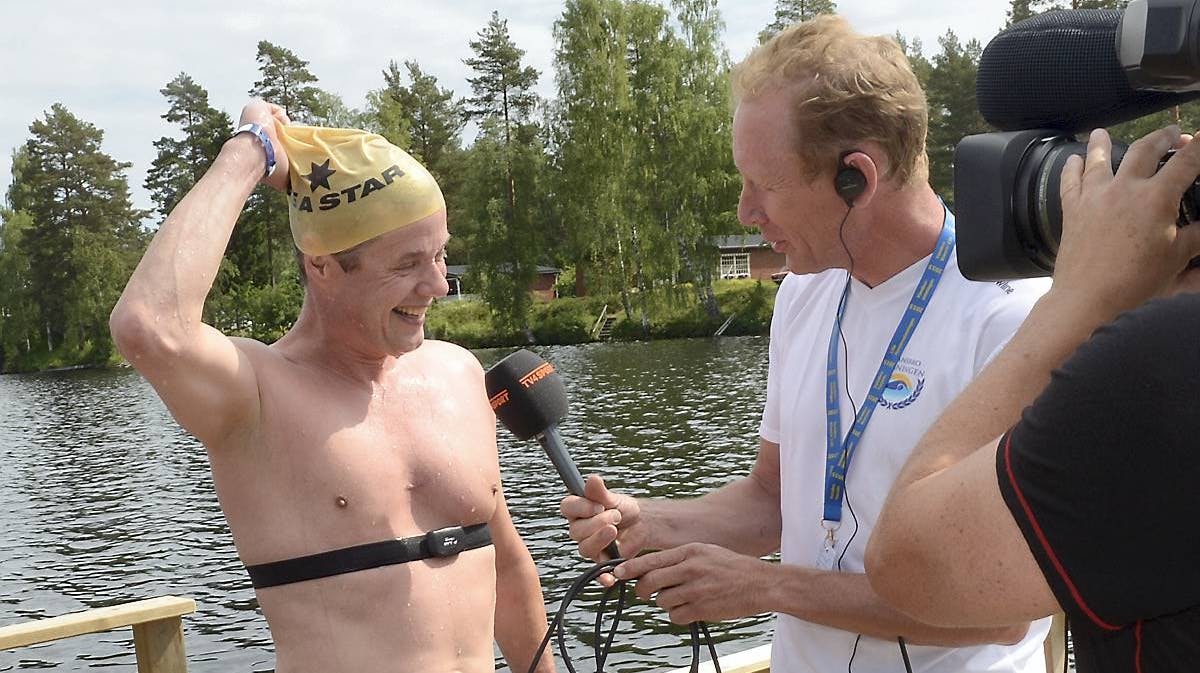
(799, 289)
(989, 298)
(251, 346)
(449, 357)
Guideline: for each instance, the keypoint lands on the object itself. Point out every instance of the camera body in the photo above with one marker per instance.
(1006, 185)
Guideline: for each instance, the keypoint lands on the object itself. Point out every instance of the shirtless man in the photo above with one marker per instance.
(351, 429)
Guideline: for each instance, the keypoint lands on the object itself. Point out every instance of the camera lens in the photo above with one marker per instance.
(1007, 194)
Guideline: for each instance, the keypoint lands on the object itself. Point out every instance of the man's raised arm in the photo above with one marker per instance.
(204, 378)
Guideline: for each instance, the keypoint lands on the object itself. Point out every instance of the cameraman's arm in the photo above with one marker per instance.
(945, 517)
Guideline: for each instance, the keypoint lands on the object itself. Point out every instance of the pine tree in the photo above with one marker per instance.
(435, 119)
(427, 120)
(503, 198)
(953, 112)
(287, 81)
(182, 161)
(83, 235)
(1019, 10)
(263, 233)
(788, 12)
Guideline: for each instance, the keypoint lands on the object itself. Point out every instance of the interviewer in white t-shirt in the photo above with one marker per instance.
(873, 334)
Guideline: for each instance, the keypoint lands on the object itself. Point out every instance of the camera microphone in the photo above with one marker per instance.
(1076, 70)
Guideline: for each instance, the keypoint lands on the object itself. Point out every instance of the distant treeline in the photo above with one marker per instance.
(621, 180)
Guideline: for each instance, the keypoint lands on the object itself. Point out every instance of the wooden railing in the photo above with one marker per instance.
(158, 636)
(756, 660)
(599, 321)
(157, 630)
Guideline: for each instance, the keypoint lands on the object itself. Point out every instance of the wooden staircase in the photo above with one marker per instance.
(606, 328)
(602, 329)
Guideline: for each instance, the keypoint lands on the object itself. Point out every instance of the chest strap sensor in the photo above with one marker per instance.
(434, 544)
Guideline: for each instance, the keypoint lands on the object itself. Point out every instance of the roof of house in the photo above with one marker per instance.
(459, 270)
(738, 241)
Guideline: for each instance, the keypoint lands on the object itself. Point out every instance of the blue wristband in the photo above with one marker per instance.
(265, 140)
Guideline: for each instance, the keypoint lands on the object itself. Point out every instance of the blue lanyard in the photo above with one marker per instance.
(838, 453)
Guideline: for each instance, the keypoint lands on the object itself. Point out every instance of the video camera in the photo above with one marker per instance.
(1042, 81)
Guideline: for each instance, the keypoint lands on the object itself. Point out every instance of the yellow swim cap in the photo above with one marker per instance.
(347, 186)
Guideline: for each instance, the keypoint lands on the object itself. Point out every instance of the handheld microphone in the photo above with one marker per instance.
(1075, 70)
(530, 399)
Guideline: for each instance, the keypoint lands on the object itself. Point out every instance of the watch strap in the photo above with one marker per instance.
(265, 140)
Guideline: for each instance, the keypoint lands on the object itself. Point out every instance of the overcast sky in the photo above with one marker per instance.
(106, 61)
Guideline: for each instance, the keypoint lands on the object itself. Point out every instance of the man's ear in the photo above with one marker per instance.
(321, 267)
(870, 174)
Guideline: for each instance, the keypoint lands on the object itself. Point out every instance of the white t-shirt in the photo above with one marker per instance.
(965, 324)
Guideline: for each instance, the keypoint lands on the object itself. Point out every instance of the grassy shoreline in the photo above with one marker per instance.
(672, 313)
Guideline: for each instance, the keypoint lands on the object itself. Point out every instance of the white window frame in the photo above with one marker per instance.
(735, 265)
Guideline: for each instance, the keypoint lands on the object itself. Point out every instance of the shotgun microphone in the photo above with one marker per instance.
(1076, 70)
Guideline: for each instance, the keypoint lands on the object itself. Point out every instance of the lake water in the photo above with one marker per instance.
(103, 499)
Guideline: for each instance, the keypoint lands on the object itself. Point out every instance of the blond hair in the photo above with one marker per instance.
(848, 88)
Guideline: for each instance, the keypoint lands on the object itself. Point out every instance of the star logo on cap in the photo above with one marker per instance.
(319, 176)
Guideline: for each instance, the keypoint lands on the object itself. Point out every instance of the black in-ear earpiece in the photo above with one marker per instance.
(849, 182)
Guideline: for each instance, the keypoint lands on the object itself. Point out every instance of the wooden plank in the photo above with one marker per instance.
(159, 646)
(1056, 644)
(94, 621)
(755, 660)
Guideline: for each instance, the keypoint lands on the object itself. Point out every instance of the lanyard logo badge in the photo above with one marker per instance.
(906, 385)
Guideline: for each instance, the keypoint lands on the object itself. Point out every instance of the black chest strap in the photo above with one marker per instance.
(434, 544)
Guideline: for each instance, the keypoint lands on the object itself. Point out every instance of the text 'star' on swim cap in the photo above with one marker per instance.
(347, 186)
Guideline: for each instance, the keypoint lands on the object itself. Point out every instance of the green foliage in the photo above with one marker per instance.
(788, 12)
(262, 312)
(750, 302)
(182, 161)
(261, 245)
(953, 112)
(565, 286)
(592, 138)
(1019, 10)
(642, 164)
(466, 323)
(502, 87)
(503, 195)
(913, 50)
(426, 120)
(74, 242)
(564, 321)
(20, 314)
(677, 311)
(286, 81)
(433, 117)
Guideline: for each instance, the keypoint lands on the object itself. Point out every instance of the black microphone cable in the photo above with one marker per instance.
(529, 398)
(601, 644)
(854, 405)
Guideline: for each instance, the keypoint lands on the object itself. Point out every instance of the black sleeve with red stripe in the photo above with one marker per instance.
(1102, 473)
